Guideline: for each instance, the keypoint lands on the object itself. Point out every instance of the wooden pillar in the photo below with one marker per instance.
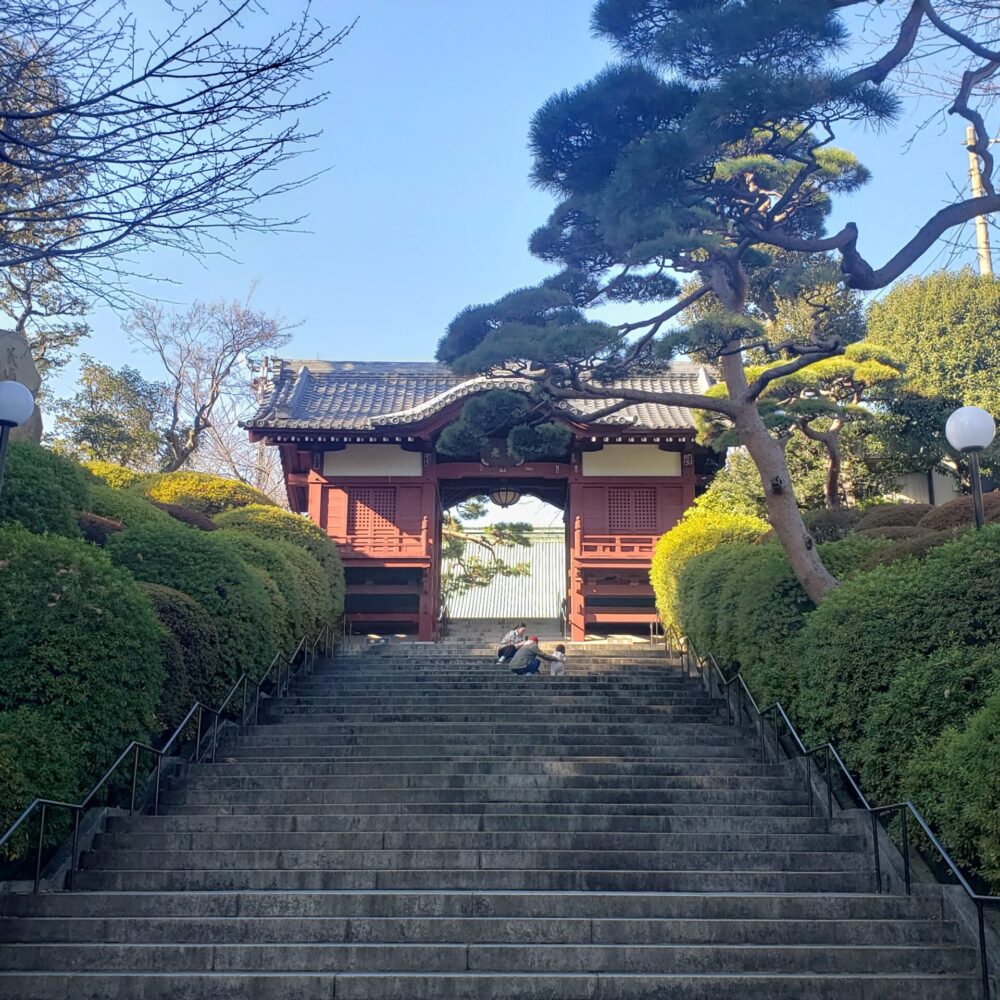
(574, 595)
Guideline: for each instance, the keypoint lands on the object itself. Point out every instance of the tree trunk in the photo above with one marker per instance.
(782, 509)
(834, 463)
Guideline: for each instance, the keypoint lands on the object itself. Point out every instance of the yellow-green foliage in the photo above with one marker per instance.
(43, 491)
(120, 505)
(698, 531)
(116, 476)
(281, 525)
(201, 491)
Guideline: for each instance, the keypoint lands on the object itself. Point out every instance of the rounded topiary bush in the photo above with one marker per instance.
(237, 595)
(120, 505)
(118, 477)
(828, 524)
(201, 491)
(192, 654)
(960, 513)
(895, 531)
(42, 490)
(893, 515)
(282, 525)
(955, 783)
(698, 531)
(271, 557)
(912, 547)
(851, 644)
(81, 648)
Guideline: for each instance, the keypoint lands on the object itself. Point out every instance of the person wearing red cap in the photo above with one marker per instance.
(528, 657)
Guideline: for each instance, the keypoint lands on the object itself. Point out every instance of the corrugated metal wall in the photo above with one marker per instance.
(537, 595)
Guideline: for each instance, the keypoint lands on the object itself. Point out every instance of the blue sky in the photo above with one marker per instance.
(426, 206)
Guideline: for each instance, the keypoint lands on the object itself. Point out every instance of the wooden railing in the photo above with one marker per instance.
(616, 545)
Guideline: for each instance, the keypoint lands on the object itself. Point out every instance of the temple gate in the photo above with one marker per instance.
(357, 444)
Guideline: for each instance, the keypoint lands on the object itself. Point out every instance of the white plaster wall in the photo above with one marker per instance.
(372, 460)
(631, 460)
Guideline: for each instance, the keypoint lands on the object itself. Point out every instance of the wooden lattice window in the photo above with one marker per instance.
(371, 511)
(631, 509)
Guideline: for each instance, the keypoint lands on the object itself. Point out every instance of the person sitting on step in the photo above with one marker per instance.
(558, 665)
(528, 658)
(510, 642)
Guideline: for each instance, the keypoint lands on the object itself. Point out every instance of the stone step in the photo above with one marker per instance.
(639, 906)
(471, 930)
(621, 879)
(785, 858)
(407, 840)
(484, 986)
(521, 957)
(478, 822)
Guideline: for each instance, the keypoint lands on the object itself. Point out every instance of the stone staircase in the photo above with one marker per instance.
(414, 823)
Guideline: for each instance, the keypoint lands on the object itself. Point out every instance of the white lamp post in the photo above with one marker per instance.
(970, 429)
(16, 406)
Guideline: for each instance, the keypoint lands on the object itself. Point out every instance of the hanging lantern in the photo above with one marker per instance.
(505, 496)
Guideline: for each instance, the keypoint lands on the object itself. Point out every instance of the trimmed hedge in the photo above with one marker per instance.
(913, 547)
(893, 514)
(697, 532)
(116, 476)
(829, 524)
(42, 490)
(895, 531)
(240, 598)
(119, 505)
(849, 647)
(186, 515)
(960, 513)
(80, 650)
(191, 651)
(282, 525)
(200, 491)
(926, 695)
(956, 784)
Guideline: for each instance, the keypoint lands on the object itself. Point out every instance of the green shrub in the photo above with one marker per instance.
(241, 599)
(81, 649)
(960, 513)
(696, 532)
(699, 595)
(272, 558)
(893, 515)
(895, 531)
(926, 695)
(914, 547)
(119, 505)
(192, 654)
(851, 644)
(955, 782)
(829, 524)
(36, 761)
(116, 476)
(282, 525)
(42, 490)
(201, 491)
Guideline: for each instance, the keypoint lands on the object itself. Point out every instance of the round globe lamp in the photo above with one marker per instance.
(16, 406)
(969, 430)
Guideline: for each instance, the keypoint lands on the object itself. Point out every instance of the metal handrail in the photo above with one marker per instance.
(829, 751)
(136, 748)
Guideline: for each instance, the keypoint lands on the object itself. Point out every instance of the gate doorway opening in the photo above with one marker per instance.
(501, 565)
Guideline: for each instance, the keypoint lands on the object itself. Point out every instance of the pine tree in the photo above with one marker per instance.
(699, 170)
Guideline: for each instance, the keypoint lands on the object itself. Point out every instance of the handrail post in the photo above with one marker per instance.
(197, 739)
(38, 854)
(763, 745)
(906, 852)
(74, 857)
(829, 784)
(215, 737)
(878, 860)
(135, 780)
(156, 789)
(984, 966)
(243, 712)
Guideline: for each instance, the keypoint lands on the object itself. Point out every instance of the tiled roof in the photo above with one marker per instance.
(539, 594)
(372, 395)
